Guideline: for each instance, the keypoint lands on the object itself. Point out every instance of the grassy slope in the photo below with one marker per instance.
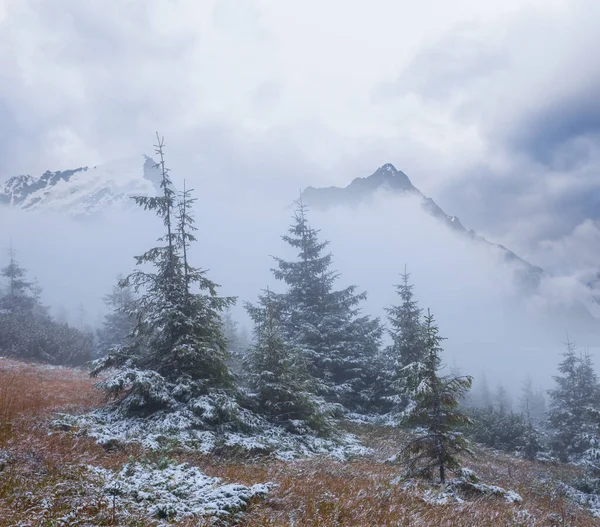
(44, 480)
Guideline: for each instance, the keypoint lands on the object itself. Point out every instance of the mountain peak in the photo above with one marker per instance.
(397, 183)
(388, 167)
(86, 190)
(386, 177)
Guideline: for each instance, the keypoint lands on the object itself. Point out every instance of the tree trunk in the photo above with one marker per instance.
(441, 461)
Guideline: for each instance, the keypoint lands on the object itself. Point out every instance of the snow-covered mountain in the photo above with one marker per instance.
(87, 191)
(83, 191)
(395, 182)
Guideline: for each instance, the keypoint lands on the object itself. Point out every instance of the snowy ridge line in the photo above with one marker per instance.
(84, 191)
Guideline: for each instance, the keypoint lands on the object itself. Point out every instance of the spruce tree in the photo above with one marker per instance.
(573, 404)
(278, 374)
(119, 322)
(502, 430)
(438, 441)
(19, 298)
(406, 332)
(16, 313)
(340, 344)
(532, 443)
(177, 349)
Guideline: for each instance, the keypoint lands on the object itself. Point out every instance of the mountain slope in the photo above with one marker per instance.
(83, 191)
(396, 183)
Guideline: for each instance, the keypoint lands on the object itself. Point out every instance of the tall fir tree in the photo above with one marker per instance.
(19, 297)
(438, 440)
(339, 343)
(177, 339)
(16, 311)
(408, 346)
(573, 404)
(278, 374)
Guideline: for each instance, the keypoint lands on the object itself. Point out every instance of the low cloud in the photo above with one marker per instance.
(469, 287)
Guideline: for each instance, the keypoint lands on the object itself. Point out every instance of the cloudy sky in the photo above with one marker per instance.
(490, 107)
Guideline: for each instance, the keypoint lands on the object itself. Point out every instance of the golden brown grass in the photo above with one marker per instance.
(29, 391)
(325, 493)
(44, 480)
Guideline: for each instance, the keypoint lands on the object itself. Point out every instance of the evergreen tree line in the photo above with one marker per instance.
(566, 428)
(28, 332)
(314, 354)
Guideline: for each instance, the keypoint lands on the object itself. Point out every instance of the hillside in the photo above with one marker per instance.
(48, 474)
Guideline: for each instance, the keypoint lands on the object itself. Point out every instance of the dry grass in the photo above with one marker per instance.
(325, 493)
(44, 481)
(30, 391)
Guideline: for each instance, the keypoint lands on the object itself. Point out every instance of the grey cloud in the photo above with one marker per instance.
(101, 78)
(459, 62)
(555, 134)
(528, 86)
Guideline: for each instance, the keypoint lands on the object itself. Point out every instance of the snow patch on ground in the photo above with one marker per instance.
(460, 489)
(390, 419)
(589, 501)
(173, 492)
(165, 430)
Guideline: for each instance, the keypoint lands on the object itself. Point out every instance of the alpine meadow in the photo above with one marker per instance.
(355, 283)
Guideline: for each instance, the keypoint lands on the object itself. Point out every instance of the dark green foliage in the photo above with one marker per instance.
(497, 429)
(406, 324)
(341, 345)
(532, 444)
(279, 376)
(574, 405)
(27, 331)
(19, 298)
(178, 332)
(436, 412)
(397, 379)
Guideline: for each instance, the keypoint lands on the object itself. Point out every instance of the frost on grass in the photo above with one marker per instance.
(190, 426)
(588, 500)
(464, 486)
(175, 491)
